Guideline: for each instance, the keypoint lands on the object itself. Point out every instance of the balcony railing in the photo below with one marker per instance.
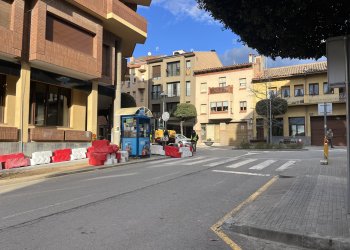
(220, 90)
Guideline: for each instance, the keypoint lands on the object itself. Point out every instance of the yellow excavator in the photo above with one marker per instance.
(159, 134)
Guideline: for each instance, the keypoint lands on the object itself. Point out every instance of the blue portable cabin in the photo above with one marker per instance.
(135, 131)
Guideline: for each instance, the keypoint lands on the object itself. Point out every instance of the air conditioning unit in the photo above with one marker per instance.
(178, 52)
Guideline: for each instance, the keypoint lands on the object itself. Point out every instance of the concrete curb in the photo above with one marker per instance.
(306, 241)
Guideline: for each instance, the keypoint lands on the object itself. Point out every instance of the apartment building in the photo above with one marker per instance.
(304, 87)
(136, 81)
(57, 68)
(172, 81)
(224, 102)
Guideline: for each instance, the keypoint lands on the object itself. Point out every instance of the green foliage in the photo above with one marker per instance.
(279, 106)
(245, 145)
(185, 111)
(127, 101)
(295, 28)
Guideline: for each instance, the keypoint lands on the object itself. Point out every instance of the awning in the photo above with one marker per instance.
(135, 111)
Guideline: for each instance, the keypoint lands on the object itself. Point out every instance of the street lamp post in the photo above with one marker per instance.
(163, 95)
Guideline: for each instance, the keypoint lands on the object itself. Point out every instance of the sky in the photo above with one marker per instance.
(181, 25)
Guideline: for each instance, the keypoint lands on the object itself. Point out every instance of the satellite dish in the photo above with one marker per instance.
(149, 53)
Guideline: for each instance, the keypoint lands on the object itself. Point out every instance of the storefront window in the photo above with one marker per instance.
(49, 105)
(2, 97)
(277, 127)
(297, 126)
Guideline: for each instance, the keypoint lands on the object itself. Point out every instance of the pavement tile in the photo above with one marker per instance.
(310, 205)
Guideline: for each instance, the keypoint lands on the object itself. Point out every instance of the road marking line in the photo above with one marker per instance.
(169, 162)
(41, 208)
(184, 160)
(286, 165)
(201, 161)
(110, 176)
(263, 165)
(221, 162)
(216, 228)
(243, 173)
(239, 164)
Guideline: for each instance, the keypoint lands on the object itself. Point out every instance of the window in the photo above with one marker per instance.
(142, 95)
(2, 97)
(218, 106)
(298, 90)
(297, 126)
(188, 64)
(327, 89)
(243, 106)
(49, 105)
(285, 92)
(128, 82)
(222, 82)
(156, 71)
(134, 78)
(173, 69)
(204, 88)
(156, 110)
(5, 13)
(106, 60)
(171, 107)
(188, 88)
(203, 108)
(313, 89)
(69, 34)
(242, 83)
(134, 94)
(156, 90)
(272, 92)
(173, 89)
(277, 127)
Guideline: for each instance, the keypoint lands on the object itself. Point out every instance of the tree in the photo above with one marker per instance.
(285, 28)
(127, 101)
(185, 111)
(279, 106)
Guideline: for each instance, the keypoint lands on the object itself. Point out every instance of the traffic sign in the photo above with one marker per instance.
(321, 108)
(165, 116)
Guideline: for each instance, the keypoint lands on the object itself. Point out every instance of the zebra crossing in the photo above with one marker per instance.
(237, 163)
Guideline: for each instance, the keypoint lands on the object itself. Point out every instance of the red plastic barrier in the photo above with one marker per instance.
(16, 162)
(172, 151)
(100, 143)
(118, 156)
(60, 158)
(95, 162)
(6, 157)
(65, 151)
(99, 156)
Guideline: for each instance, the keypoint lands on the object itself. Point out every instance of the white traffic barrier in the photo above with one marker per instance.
(125, 155)
(39, 158)
(78, 153)
(185, 152)
(157, 150)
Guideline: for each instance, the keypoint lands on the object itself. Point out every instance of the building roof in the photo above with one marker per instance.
(223, 68)
(295, 70)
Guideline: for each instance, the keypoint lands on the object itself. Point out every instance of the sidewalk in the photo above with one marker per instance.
(58, 169)
(306, 207)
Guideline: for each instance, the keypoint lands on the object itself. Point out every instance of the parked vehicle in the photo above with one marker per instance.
(179, 138)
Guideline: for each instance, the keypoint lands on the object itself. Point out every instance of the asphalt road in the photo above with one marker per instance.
(168, 204)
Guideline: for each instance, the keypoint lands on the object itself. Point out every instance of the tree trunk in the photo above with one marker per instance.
(181, 127)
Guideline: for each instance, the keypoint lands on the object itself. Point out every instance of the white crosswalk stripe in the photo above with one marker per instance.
(221, 162)
(286, 165)
(201, 161)
(170, 161)
(241, 163)
(190, 159)
(263, 165)
(242, 173)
